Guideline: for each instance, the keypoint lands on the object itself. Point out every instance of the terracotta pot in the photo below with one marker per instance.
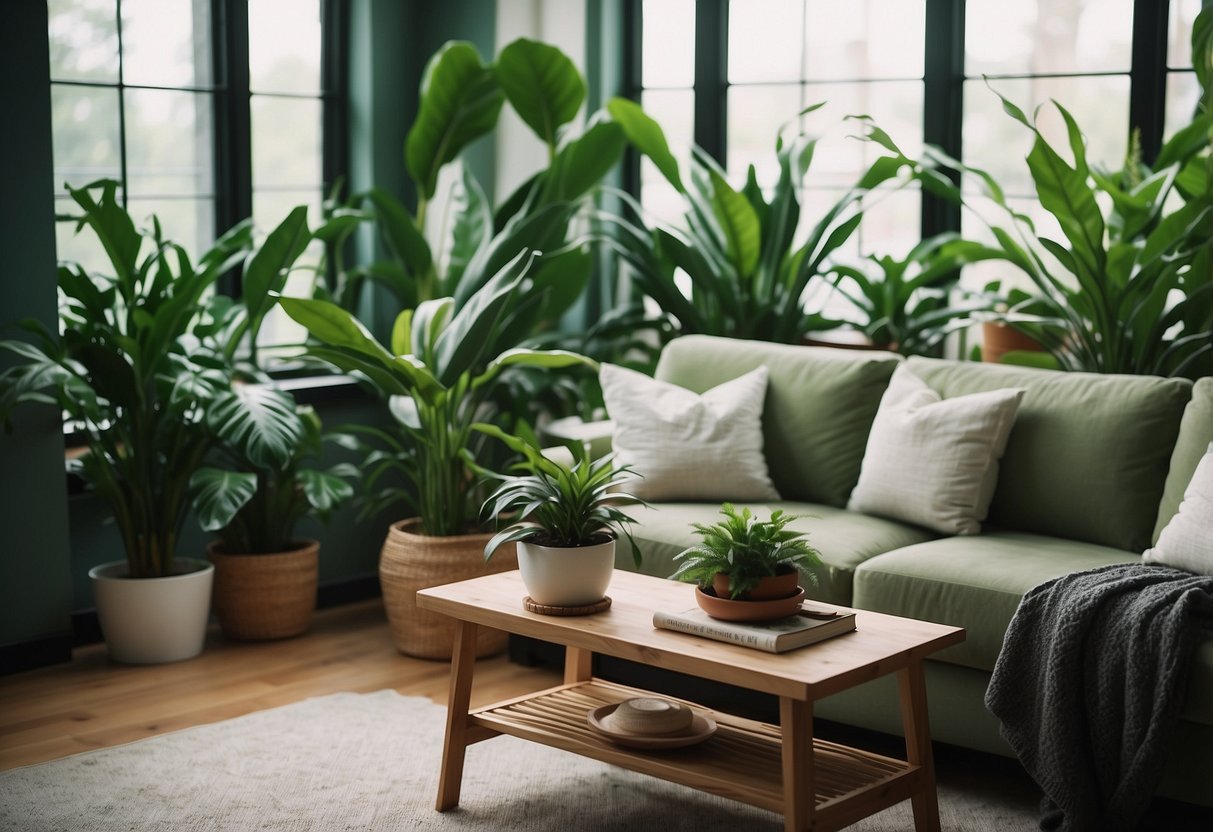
(998, 339)
(411, 561)
(773, 586)
(730, 610)
(259, 597)
(153, 620)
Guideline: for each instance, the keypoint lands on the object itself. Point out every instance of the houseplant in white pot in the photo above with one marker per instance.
(131, 370)
(265, 576)
(565, 521)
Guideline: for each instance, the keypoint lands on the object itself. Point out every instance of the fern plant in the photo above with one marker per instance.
(745, 549)
(558, 506)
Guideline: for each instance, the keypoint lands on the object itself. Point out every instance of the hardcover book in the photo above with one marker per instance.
(778, 636)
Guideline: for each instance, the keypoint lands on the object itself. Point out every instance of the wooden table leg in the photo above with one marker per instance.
(918, 745)
(463, 662)
(577, 665)
(799, 797)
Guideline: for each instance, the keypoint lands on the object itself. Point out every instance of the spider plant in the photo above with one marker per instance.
(558, 506)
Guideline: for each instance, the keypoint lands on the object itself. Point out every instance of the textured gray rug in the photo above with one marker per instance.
(370, 762)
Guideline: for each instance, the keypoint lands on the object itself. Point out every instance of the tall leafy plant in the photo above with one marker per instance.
(438, 373)
(129, 370)
(748, 276)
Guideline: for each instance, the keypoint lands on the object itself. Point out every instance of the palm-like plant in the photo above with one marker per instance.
(129, 369)
(906, 304)
(745, 549)
(438, 374)
(747, 276)
(557, 506)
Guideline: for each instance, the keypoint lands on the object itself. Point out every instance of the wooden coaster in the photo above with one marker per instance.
(547, 609)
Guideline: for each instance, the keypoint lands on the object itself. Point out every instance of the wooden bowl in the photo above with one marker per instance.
(727, 609)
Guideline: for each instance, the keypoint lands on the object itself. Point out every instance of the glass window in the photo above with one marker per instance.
(1183, 90)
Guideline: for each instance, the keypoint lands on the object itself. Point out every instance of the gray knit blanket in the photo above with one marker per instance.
(1089, 686)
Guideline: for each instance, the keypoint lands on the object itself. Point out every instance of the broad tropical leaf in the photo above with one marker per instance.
(219, 495)
(542, 85)
(260, 421)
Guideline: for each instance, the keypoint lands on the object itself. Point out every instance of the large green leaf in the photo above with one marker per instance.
(218, 495)
(259, 423)
(647, 137)
(739, 222)
(582, 163)
(460, 102)
(542, 85)
(266, 271)
(325, 490)
(472, 226)
(401, 233)
(333, 325)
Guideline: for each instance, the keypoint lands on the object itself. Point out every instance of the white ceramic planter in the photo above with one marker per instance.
(153, 620)
(570, 577)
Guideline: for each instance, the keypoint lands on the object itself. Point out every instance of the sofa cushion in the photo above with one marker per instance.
(972, 582)
(819, 408)
(1187, 541)
(687, 446)
(1089, 454)
(932, 461)
(845, 539)
(1195, 434)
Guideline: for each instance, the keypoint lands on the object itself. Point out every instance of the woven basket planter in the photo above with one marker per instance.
(412, 561)
(261, 597)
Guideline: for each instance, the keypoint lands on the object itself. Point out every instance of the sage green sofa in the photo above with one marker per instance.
(1094, 468)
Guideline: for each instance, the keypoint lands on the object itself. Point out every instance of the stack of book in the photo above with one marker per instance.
(778, 636)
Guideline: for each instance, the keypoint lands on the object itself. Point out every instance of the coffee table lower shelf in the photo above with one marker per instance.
(742, 760)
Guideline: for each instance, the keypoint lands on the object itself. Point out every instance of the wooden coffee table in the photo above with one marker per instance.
(817, 785)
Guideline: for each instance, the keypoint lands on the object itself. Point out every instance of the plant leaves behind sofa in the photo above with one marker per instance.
(1080, 486)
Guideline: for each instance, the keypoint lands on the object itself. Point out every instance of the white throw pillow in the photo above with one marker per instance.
(1186, 541)
(685, 446)
(933, 461)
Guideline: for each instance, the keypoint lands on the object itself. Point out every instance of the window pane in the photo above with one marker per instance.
(169, 143)
(83, 40)
(865, 39)
(1179, 38)
(269, 209)
(1183, 94)
(755, 115)
(85, 137)
(1035, 36)
(286, 142)
(999, 144)
(765, 40)
(166, 43)
(892, 222)
(668, 50)
(82, 247)
(284, 46)
(187, 222)
(674, 110)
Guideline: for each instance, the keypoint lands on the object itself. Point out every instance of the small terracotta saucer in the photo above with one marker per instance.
(726, 609)
(700, 729)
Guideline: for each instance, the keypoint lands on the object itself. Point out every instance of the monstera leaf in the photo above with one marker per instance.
(259, 421)
(218, 495)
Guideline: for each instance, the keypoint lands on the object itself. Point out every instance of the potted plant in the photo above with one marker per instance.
(265, 576)
(438, 375)
(744, 559)
(565, 521)
(133, 372)
(905, 304)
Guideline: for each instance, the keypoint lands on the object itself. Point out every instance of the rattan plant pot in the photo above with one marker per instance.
(262, 597)
(412, 561)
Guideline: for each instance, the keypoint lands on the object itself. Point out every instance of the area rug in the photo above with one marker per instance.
(370, 762)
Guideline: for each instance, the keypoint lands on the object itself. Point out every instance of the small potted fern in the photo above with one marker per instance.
(565, 521)
(744, 559)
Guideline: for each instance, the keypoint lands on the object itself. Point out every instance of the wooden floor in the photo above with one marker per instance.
(92, 702)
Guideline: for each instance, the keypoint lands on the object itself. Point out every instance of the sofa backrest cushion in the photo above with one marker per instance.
(1195, 434)
(1089, 454)
(819, 408)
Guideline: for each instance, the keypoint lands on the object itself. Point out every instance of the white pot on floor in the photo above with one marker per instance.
(153, 620)
(566, 577)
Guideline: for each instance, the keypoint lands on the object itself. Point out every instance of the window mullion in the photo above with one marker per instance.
(233, 144)
(121, 110)
(1148, 76)
(943, 101)
(712, 77)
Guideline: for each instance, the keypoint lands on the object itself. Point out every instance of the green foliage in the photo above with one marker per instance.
(746, 550)
(1129, 288)
(133, 368)
(446, 358)
(748, 278)
(264, 487)
(905, 304)
(558, 506)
